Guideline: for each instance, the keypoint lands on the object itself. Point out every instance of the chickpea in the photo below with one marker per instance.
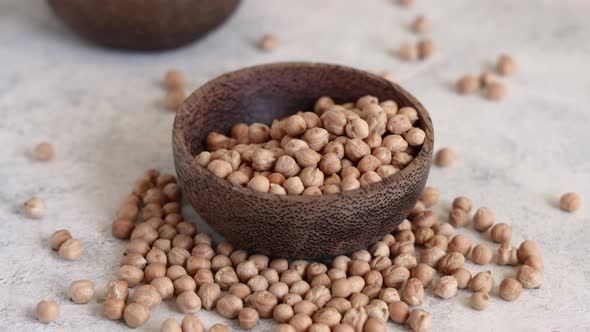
(432, 256)
(529, 277)
(536, 262)
(507, 254)
(191, 323)
(570, 202)
(58, 238)
(450, 262)
(47, 311)
(483, 219)
(463, 277)
(136, 314)
(527, 249)
(113, 308)
(501, 233)
(43, 152)
(419, 320)
(510, 289)
(395, 276)
(463, 203)
(355, 317)
(495, 91)
(164, 286)
(458, 217)
(229, 306)
(481, 254)
(408, 52)
(328, 316)
(446, 287)
(424, 273)
(468, 84)
(35, 208)
(81, 291)
(482, 282)
(444, 229)
(209, 293)
(170, 325)
(300, 322)
(219, 328)
(398, 311)
(480, 300)
(248, 318)
(505, 65)
(413, 292)
(147, 295)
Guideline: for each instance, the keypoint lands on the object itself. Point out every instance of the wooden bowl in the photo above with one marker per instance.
(141, 24)
(292, 226)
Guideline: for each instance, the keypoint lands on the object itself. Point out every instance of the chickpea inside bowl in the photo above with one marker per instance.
(290, 225)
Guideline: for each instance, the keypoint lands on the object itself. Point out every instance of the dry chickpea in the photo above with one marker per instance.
(242, 291)
(444, 229)
(334, 122)
(292, 299)
(398, 311)
(294, 125)
(81, 291)
(134, 259)
(446, 287)
(341, 288)
(304, 307)
(468, 84)
(570, 202)
(507, 254)
(311, 177)
(350, 171)
(350, 183)
(129, 211)
(429, 196)
(404, 245)
(425, 219)
(257, 283)
(294, 186)
(419, 320)
(394, 143)
(283, 312)
(170, 325)
(145, 232)
(283, 328)
(71, 249)
(319, 295)
(317, 327)
(147, 295)
(58, 238)
(482, 282)
(481, 254)
(47, 311)
(188, 302)
(328, 316)
(421, 24)
(357, 128)
(413, 292)
(355, 317)
(501, 233)
(276, 178)
(425, 48)
(483, 219)
(505, 65)
(424, 273)
(308, 157)
(536, 262)
(116, 289)
(164, 286)
(330, 164)
(122, 229)
(486, 78)
(366, 100)
(248, 318)
(510, 289)
(415, 136)
(444, 157)
(112, 308)
(43, 152)
(184, 283)
(268, 42)
(371, 291)
(356, 149)
(463, 203)
(374, 140)
(437, 240)
(432, 256)
(341, 262)
(300, 322)
(460, 243)
(191, 323)
(35, 208)
(450, 262)
(229, 306)
(480, 300)
(408, 51)
(220, 261)
(358, 267)
(259, 183)
(463, 277)
(406, 260)
(529, 277)
(239, 131)
(156, 255)
(262, 160)
(495, 91)
(423, 235)
(527, 249)
(340, 304)
(135, 314)
(203, 158)
(458, 217)
(174, 79)
(219, 328)
(368, 178)
(209, 293)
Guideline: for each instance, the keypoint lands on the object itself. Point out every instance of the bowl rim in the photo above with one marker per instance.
(183, 150)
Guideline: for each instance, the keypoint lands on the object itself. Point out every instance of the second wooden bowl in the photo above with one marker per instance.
(292, 226)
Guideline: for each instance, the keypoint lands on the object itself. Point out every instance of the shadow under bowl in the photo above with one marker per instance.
(292, 226)
(143, 25)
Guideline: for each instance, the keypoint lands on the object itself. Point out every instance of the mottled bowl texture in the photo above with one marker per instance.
(292, 226)
(141, 24)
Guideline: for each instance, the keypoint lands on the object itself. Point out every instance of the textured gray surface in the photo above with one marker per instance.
(98, 108)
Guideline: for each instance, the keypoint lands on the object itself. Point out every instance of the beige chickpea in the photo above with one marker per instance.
(394, 143)
(481, 254)
(112, 308)
(335, 147)
(399, 124)
(170, 325)
(287, 166)
(421, 24)
(334, 122)
(121, 229)
(383, 154)
(505, 65)
(468, 84)
(188, 302)
(135, 314)
(241, 291)
(220, 168)
(341, 288)
(81, 291)
(366, 100)
(486, 78)
(209, 293)
(368, 163)
(262, 160)
(184, 283)
(304, 307)
(203, 158)
(340, 304)
(408, 52)
(463, 203)
(419, 320)
(156, 255)
(458, 217)
(425, 48)
(529, 277)
(368, 178)
(283, 328)
(401, 159)
(116, 289)
(330, 164)
(283, 312)
(526, 249)
(268, 42)
(570, 202)
(147, 295)
(437, 240)
(312, 120)
(317, 327)
(164, 286)
(35, 208)
(319, 295)
(47, 311)
(463, 277)
(480, 300)
(460, 243)
(174, 79)
(277, 189)
(300, 322)
(425, 219)
(446, 287)
(350, 171)
(350, 183)
(389, 295)
(507, 254)
(328, 316)
(536, 262)
(432, 256)
(239, 131)
(43, 151)
(346, 163)
(259, 183)
(415, 136)
(219, 328)
(413, 292)
(294, 125)
(424, 273)
(358, 267)
(429, 196)
(495, 91)
(501, 233)
(134, 259)
(356, 149)
(510, 289)
(58, 238)
(257, 283)
(258, 133)
(423, 235)
(308, 157)
(341, 262)
(131, 274)
(403, 245)
(483, 219)
(405, 225)
(191, 323)
(276, 178)
(335, 274)
(357, 128)
(398, 311)
(482, 282)
(311, 177)
(263, 302)
(445, 157)
(450, 262)
(153, 271)
(374, 140)
(248, 318)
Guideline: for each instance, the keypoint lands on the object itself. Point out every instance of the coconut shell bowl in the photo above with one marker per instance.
(141, 24)
(292, 226)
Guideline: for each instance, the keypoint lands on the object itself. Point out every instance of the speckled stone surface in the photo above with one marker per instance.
(99, 108)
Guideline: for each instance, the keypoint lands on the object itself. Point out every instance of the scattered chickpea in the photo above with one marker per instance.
(536, 262)
(421, 24)
(505, 65)
(58, 238)
(483, 219)
(219, 328)
(444, 157)
(170, 325)
(424, 273)
(460, 243)
(248, 318)
(229, 306)
(468, 84)
(501, 233)
(429, 196)
(174, 98)
(71, 249)
(35, 208)
(43, 152)
(486, 78)
(570, 202)
(174, 79)
(463, 277)
(408, 52)
(507, 254)
(481, 254)
(398, 311)
(482, 282)
(268, 42)
(446, 287)
(510, 289)
(136, 314)
(419, 320)
(191, 323)
(81, 291)
(413, 292)
(450, 262)
(147, 295)
(480, 300)
(529, 277)
(113, 308)
(495, 91)
(425, 48)
(47, 311)
(527, 249)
